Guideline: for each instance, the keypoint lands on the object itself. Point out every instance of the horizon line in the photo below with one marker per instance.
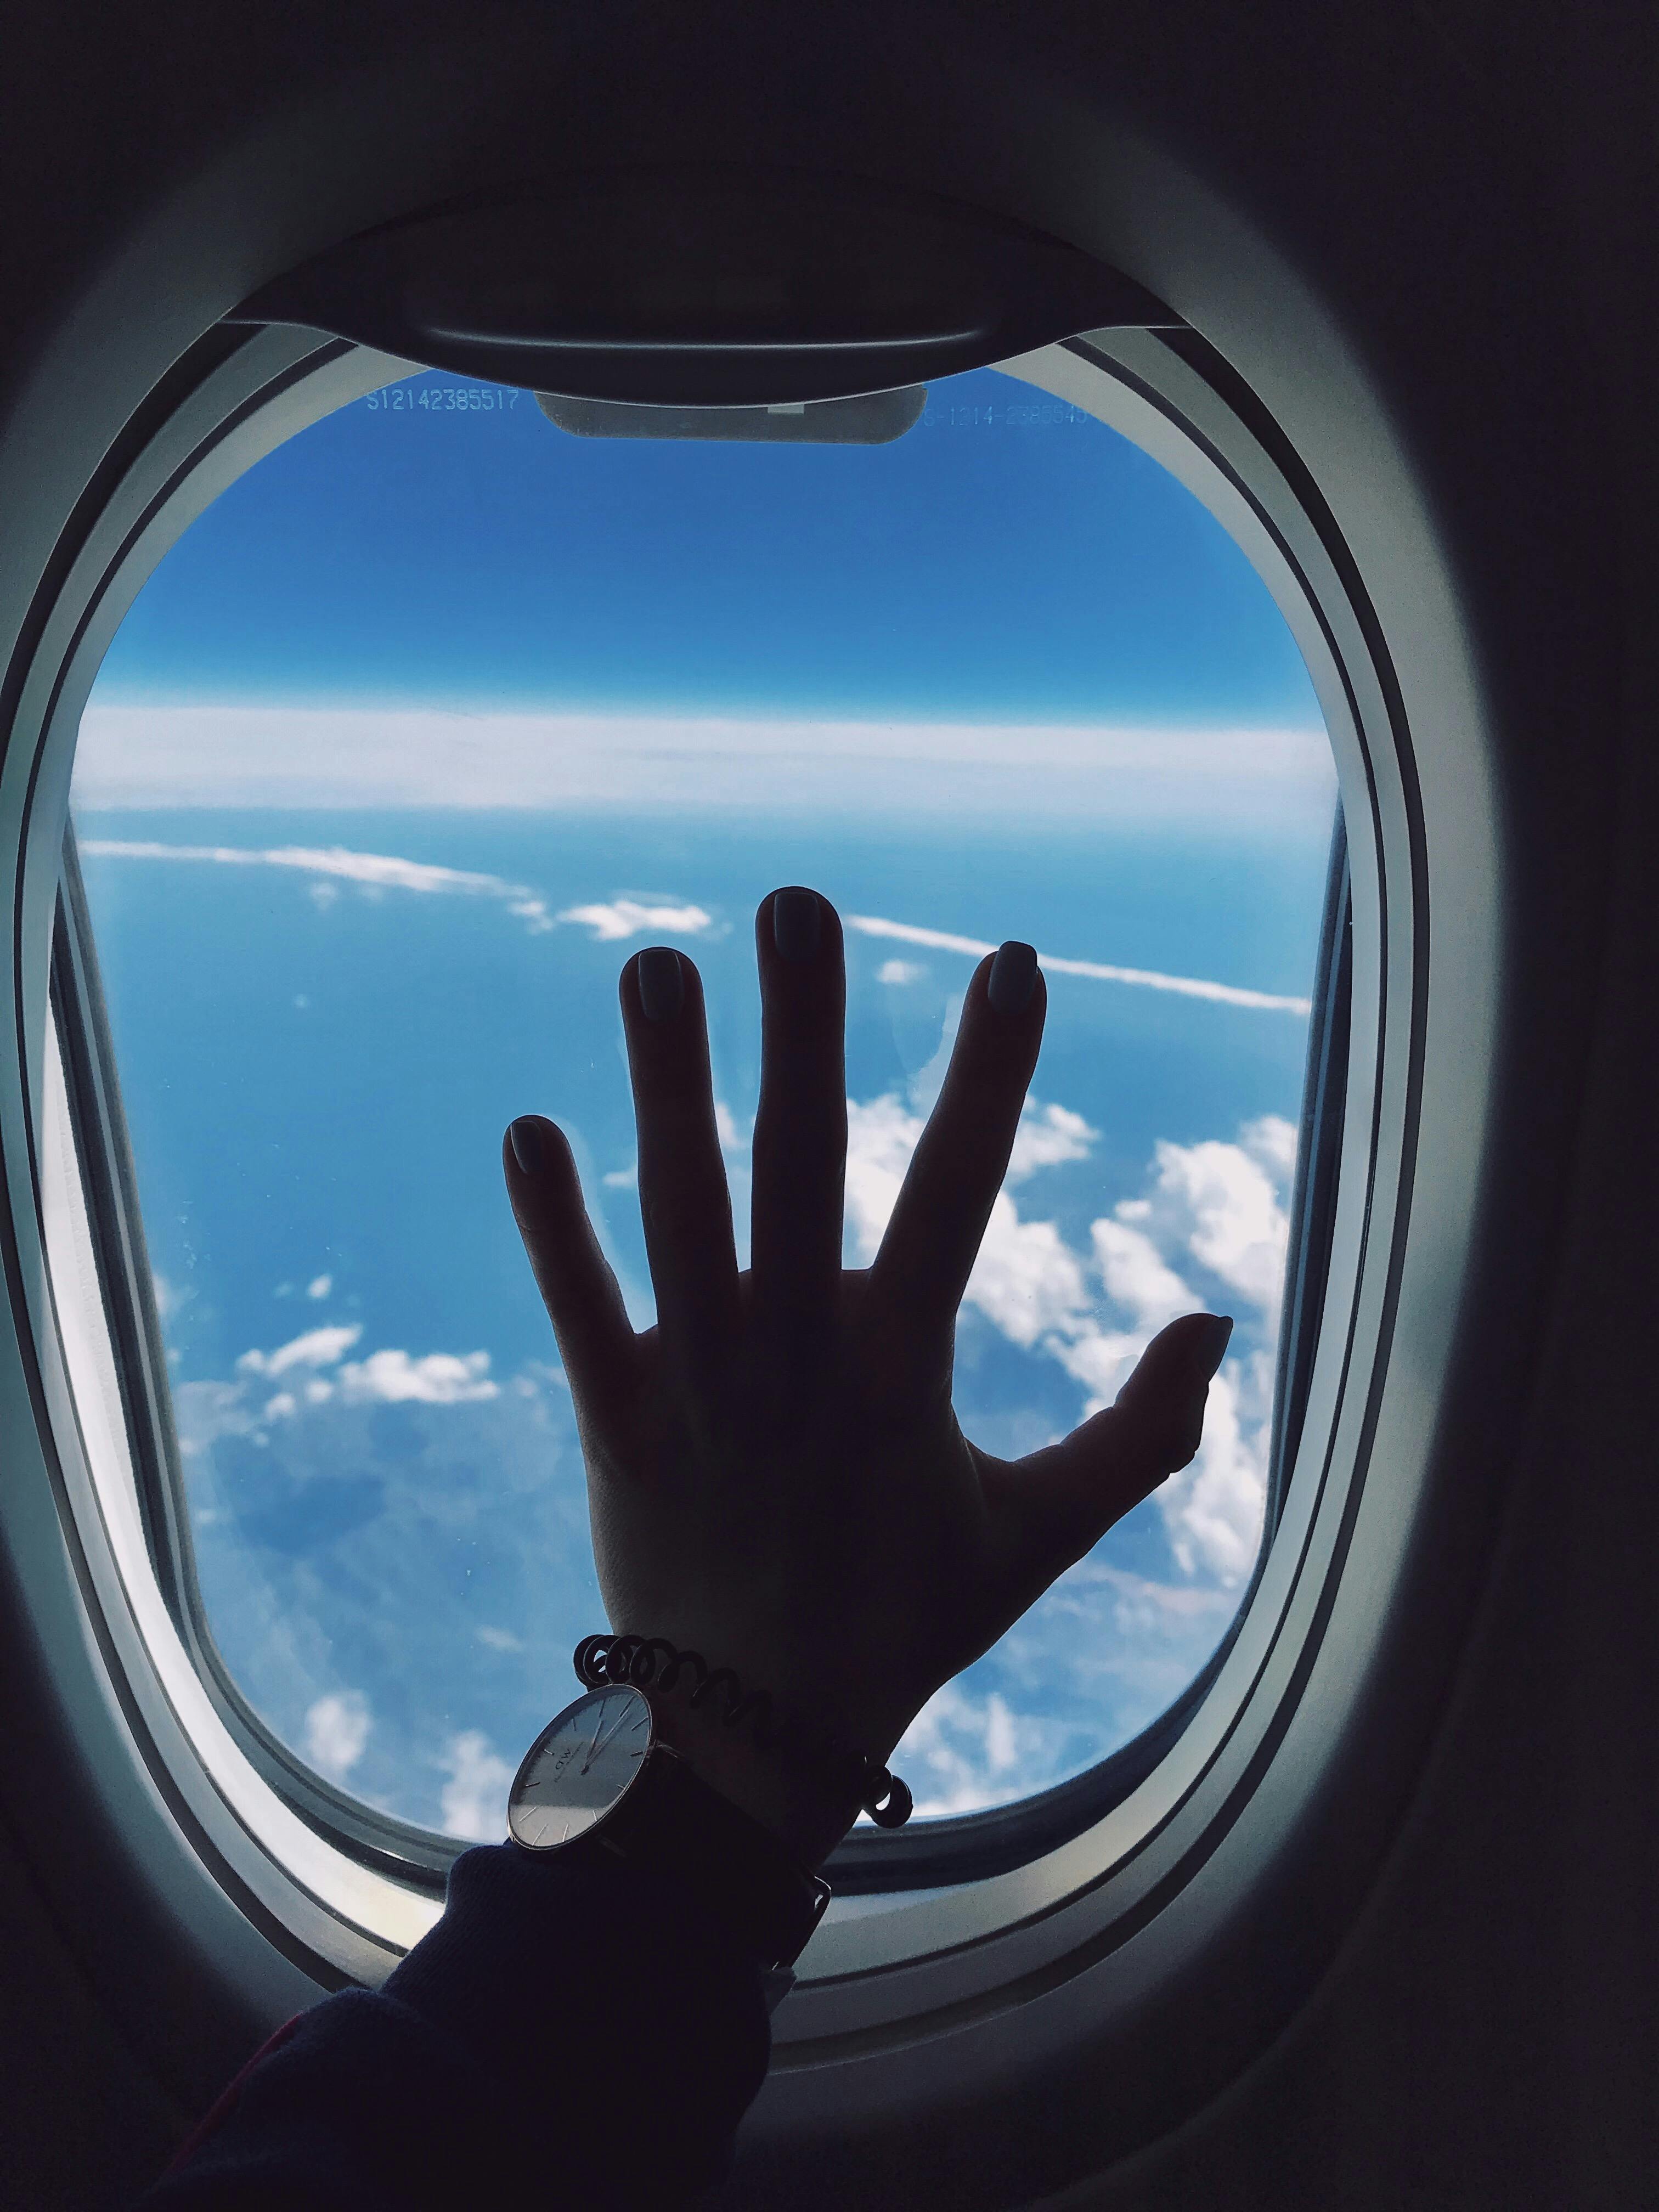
(742, 716)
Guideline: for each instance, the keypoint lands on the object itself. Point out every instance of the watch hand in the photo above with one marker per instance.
(616, 1726)
(593, 1747)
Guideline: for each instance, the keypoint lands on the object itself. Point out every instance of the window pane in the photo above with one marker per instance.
(437, 715)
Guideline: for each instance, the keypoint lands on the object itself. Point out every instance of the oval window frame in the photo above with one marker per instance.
(886, 1965)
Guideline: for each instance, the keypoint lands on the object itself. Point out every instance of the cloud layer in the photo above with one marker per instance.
(179, 755)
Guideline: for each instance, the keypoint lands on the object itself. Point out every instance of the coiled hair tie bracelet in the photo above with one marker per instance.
(639, 1661)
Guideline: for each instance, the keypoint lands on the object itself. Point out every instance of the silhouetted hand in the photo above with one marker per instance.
(776, 1474)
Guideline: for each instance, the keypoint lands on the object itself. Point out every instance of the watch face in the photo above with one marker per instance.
(578, 1769)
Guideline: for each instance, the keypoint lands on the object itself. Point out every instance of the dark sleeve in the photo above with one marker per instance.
(573, 2024)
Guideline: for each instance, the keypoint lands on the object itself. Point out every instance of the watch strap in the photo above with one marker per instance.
(675, 1822)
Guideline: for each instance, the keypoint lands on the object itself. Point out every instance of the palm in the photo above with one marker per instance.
(776, 1476)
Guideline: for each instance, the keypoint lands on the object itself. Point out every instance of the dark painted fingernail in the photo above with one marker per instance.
(1212, 1342)
(525, 1138)
(796, 923)
(662, 986)
(1013, 974)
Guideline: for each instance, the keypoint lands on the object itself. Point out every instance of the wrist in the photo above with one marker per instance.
(801, 1811)
(792, 1777)
(600, 1779)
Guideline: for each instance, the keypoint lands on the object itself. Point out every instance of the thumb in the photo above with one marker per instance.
(1063, 1499)
(1157, 1419)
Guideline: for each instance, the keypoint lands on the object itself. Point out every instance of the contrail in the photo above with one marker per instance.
(1188, 986)
(380, 869)
(626, 915)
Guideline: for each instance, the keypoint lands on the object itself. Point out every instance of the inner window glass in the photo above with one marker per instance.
(438, 714)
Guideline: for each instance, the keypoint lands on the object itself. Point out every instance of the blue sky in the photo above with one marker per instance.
(975, 568)
(433, 718)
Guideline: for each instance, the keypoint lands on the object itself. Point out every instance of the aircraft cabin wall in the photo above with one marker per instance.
(1413, 1958)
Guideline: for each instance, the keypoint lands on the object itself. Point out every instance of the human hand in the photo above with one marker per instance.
(776, 1477)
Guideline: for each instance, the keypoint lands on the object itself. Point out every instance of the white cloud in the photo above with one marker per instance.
(1138, 1280)
(389, 1376)
(726, 1128)
(441, 1378)
(961, 1752)
(1213, 1204)
(186, 755)
(320, 1286)
(899, 972)
(474, 1803)
(881, 1135)
(1273, 1140)
(1213, 1509)
(1137, 1276)
(336, 1732)
(1143, 1608)
(621, 1178)
(318, 1347)
(1100, 1360)
(528, 908)
(1219, 1206)
(1220, 1201)
(1046, 1138)
(330, 865)
(382, 870)
(500, 1639)
(1027, 1280)
(1150, 979)
(621, 916)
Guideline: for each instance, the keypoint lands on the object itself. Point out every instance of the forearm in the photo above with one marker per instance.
(577, 2025)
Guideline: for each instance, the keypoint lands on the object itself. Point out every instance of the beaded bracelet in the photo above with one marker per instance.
(637, 1660)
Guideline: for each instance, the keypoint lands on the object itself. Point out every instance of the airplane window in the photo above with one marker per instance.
(440, 711)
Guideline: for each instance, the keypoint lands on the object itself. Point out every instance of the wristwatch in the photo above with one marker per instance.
(597, 1778)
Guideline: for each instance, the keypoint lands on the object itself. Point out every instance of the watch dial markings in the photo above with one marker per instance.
(576, 1776)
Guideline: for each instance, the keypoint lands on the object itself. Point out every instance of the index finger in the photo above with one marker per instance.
(957, 1170)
